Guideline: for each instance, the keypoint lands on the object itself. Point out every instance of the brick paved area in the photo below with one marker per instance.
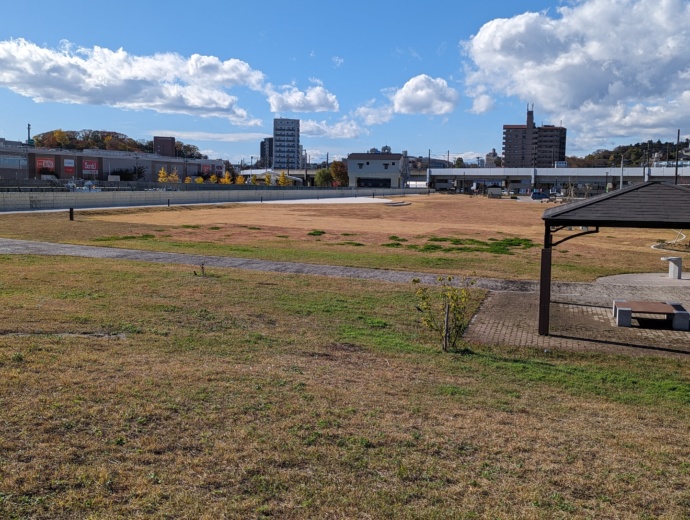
(581, 318)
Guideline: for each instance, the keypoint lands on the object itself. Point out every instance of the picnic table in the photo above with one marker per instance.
(623, 311)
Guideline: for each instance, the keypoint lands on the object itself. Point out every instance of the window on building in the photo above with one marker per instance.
(360, 165)
(385, 166)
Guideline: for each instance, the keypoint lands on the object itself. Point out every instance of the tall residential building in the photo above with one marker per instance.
(266, 153)
(286, 148)
(529, 146)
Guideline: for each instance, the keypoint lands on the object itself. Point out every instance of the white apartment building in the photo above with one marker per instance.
(286, 147)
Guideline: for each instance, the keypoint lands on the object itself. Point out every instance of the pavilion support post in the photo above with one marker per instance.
(545, 292)
(545, 284)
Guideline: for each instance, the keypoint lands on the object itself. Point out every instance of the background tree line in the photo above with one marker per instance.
(335, 175)
(107, 140)
(637, 154)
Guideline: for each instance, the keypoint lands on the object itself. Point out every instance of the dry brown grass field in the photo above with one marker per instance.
(133, 390)
(415, 237)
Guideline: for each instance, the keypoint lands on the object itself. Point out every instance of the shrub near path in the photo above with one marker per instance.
(131, 389)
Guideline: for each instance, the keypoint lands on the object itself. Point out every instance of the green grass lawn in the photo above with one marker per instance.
(141, 390)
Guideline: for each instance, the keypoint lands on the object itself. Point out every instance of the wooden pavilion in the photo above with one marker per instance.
(651, 204)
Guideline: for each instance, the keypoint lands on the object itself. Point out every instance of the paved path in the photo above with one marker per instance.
(8, 246)
(580, 313)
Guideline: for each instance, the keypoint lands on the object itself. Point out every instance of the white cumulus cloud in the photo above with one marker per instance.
(197, 85)
(211, 136)
(290, 99)
(602, 67)
(165, 82)
(372, 115)
(419, 95)
(345, 129)
(425, 95)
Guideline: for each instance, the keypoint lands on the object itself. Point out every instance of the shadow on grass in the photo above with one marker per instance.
(621, 344)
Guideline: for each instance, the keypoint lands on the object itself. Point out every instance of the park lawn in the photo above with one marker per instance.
(132, 389)
(440, 234)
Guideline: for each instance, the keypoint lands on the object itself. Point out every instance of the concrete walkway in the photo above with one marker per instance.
(9, 246)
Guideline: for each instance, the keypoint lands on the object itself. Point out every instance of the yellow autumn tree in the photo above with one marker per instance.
(267, 179)
(187, 180)
(284, 180)
(240, 180)
(254, 180)
(162, 175)
(227, 178)
(173, 177)
(199, 180)
(213, 179)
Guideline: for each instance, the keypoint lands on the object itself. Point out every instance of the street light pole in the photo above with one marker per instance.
(677, 150)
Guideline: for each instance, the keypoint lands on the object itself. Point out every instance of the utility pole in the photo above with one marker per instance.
(428, 170)
(677, 149)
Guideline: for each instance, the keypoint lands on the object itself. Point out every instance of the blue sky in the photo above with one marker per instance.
(434, 76)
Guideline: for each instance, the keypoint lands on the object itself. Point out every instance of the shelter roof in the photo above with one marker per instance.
(651, 204)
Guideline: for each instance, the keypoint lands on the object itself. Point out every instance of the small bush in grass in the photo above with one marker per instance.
(316, 233)
(446, 312)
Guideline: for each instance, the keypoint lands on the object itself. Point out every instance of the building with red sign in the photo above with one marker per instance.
(106, 165)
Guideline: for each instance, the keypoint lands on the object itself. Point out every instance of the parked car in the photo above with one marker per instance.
(538, 195)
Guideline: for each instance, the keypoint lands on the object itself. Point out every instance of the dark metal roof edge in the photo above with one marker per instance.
(553, 213)
(619, 223)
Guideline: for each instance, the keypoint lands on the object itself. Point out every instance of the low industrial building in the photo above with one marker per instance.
(19, 162)
(581, 182)
(378, 169)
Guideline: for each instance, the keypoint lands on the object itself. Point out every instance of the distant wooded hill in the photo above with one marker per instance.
(106, 140)
(634, 155)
